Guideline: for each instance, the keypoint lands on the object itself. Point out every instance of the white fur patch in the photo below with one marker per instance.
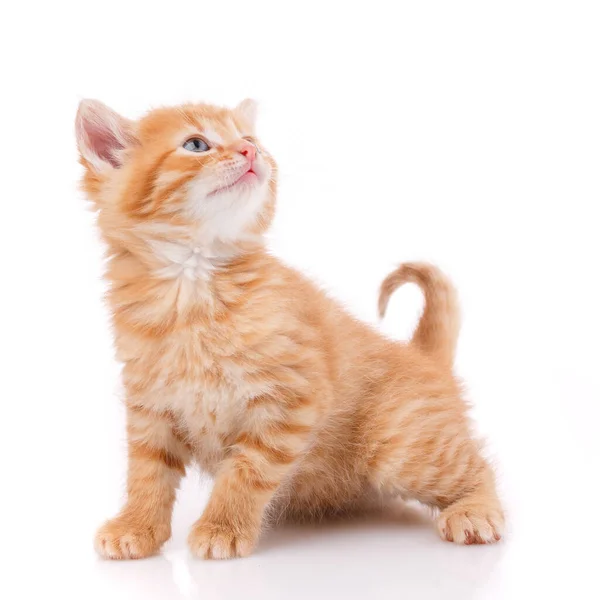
(226, 214)
(181, 260)
(229, 214)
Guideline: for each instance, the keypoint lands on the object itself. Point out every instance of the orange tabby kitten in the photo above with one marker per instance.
(237, 362)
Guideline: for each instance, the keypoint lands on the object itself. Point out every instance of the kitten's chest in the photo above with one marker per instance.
(206, 386)
(209, 418)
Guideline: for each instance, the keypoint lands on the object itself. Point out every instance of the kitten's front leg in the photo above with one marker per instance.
(157, 461)
(262, 456)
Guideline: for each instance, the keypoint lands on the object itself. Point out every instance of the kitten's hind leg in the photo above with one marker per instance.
(424, 450)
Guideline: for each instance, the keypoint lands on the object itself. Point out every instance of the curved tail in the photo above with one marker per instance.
(437, 331)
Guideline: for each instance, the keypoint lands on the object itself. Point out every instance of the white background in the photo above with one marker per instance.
(467, 133)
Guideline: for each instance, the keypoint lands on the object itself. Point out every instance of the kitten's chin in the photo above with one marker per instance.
(233, 212)
(249, 177)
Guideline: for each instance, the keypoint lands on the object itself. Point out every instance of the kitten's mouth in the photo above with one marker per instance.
(249, 176)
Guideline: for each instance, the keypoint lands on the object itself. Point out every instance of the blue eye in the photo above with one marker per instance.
(196, 145)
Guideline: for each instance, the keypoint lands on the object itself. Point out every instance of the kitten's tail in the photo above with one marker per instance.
(437, 331)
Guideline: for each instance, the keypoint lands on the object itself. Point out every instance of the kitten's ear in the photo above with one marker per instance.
(248, 109)
(102, 134)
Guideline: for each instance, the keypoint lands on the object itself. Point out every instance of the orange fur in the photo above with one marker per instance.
(236, 362)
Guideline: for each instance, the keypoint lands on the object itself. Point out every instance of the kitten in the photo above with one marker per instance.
(238, 363)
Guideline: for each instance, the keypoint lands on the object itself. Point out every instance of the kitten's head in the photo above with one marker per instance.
(194, 166)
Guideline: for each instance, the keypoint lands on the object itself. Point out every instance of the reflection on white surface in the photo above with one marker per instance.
(181, 573)
(359, 558)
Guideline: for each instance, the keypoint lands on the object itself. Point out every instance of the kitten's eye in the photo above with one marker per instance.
(196, 145)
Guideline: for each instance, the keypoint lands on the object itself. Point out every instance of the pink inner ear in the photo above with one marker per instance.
(103, 142)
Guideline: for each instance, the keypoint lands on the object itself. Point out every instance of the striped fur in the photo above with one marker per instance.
(437, 332)
(236, 362)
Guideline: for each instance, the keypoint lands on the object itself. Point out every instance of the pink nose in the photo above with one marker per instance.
(248, 150)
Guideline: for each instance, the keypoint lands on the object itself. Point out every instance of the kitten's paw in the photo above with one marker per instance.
(118, 539)
(219, 540)
(471, 524)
